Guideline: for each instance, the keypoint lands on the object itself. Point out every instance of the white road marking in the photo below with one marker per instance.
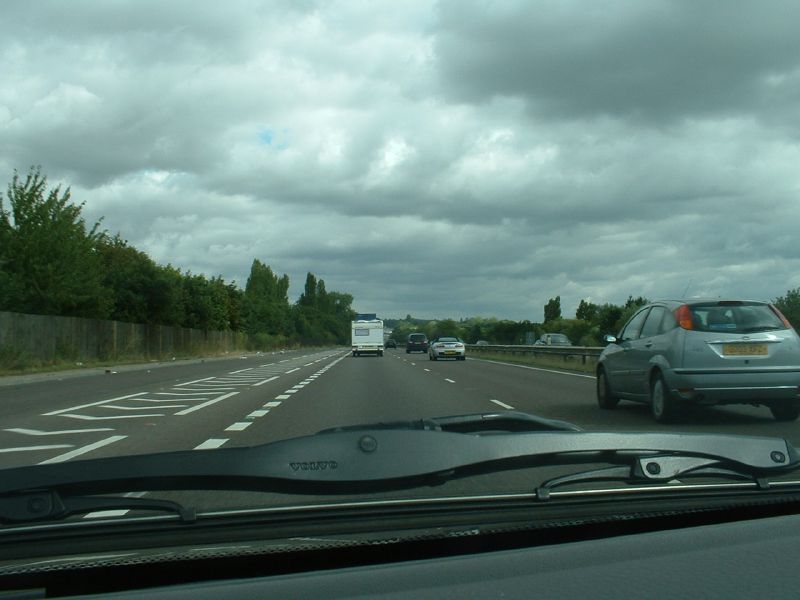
(496, 362)
(83, 450)
(99, 514)
(204, 404)
(241, 371)
(33, 448)
(71, 408)
(143, 407)
(428, 370)
(282, 397)
(257, 413)
(272, 404)
(292, 370)
(183, 395)
(503, 404)
(241, 426)
(309, 364)
(157, 401)
(62, 432)
(210, 444)
(450, 380)
(195, 381)
(265, 381)
(91, 418)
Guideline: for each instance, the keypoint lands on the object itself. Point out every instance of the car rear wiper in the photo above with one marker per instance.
(384, 458)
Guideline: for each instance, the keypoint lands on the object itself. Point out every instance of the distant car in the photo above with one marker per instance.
(417, 342)
(553, 339)
(481, 343)
(390, 343)
(670, 354)
(447, 347)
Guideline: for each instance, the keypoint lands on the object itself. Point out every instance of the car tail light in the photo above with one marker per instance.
(683, 314)
(781, 317)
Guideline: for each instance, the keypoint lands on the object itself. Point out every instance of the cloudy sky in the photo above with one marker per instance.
(450, 158)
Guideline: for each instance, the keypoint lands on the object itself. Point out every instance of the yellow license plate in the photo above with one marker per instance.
(744, 350)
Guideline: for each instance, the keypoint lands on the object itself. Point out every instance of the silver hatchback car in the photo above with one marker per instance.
(705, 352)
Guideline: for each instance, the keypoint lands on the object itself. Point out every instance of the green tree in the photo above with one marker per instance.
(586, 311)
(265, 303)
(789, 305)
(552, 310)
(48, 255)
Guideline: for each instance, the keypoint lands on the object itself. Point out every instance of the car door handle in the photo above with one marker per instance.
(648, 344)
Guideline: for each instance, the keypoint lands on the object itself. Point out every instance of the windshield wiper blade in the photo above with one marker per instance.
(352, 461)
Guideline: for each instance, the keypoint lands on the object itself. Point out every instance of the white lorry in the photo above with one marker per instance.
(367, 336)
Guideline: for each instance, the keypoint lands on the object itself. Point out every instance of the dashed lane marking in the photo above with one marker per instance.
(241, 426)
(503, 404)
(241, 371)
(282, 397)
(257, 413)
(210, 444)
(292, 370)
(265, 381)
(449, 380)
(272, 404)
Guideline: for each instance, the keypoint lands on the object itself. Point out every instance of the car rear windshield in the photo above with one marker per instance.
(416, 337)
(739, 317)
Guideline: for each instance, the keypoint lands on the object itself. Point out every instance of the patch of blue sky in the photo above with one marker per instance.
(268, 137)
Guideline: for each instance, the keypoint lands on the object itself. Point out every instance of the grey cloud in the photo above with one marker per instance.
(652, 61)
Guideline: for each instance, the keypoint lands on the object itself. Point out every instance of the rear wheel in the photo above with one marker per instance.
(663, 405)
(785, 412)
(605, 397)
(431, 356)
(462, 358)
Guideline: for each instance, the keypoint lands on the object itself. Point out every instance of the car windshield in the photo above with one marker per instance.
(231, 224)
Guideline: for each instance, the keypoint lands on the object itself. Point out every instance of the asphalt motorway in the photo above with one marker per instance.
(255, 399)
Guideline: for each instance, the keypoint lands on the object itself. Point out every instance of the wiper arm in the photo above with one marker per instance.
(505, 422)
(378, 459)
(654, 469)
(49, 504)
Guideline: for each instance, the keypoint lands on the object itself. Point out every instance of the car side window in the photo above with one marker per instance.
(652, 326)
(631, 330)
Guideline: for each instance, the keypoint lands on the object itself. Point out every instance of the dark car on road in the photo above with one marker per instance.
(417, 342)
(390, 343)
(675, 353)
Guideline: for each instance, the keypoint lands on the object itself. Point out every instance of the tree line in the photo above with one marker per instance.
(54, 263)
(592, 321)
